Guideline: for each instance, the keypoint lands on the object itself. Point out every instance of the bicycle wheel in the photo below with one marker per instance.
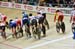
(26, 31)
(38, 33)
(63, 27)
(57, 27)
(46, 23)
(34, 32)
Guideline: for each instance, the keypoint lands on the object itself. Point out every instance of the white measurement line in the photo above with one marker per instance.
(48, 42)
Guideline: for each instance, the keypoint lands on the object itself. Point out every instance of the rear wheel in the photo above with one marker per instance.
(57, 27)
(38, 33)
(27, 30)
(34, 32)
(46, 23)
(63, 27)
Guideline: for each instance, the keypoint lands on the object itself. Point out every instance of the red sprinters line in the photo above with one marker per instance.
(10, 46)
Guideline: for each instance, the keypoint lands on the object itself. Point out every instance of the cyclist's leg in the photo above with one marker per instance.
(46, 23)
(39, 29)
(14, 33)
(38, 32)
(28, 26)
(73, 30)
(7, 24)
(44, 30)
(34, 31)
(25, 23)
(21, 30)
(34, 26)
(32, 23)
(72, 27)
(62, 24)
(57, 26)
(74, 35)
(4, 33)
(42, 27)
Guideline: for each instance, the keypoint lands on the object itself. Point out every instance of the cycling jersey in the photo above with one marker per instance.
(13, 23)
(72, 16)
(3, 17)
(18, 22)
(59, 16)
(25, 15)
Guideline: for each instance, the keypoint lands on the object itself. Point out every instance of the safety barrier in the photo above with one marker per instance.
(50, 10)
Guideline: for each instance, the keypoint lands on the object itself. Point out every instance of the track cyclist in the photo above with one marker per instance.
(72, 20)
(26, 23)
(59, 17)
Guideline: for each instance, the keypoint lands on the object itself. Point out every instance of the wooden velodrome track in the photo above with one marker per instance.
(53, 40)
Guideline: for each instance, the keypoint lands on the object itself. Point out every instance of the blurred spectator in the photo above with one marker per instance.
(50, 3)
(70, 4)
(67, 1)
(32, 2)
(4, 0)
(19, 1)
(9, 0)
(41, 3)
(24, 1)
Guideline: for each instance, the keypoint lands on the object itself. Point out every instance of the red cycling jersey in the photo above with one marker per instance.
(59, 16)
(4, 17)
(18, 22)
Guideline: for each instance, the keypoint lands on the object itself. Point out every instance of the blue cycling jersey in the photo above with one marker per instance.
(12, 24)
(25, 15)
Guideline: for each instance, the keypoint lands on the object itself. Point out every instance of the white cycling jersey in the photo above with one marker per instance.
(39, 15)
(2, 24)
(41, 11)
(13, 21)
(73, 13)
(32, 17)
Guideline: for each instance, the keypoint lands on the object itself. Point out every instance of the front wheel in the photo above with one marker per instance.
(38, 33)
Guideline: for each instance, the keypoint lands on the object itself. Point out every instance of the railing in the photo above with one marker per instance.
(50, 10)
